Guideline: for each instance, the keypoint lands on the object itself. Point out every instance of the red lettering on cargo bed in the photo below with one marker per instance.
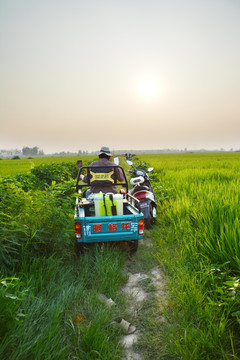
(97, 227)
(112, 227)
(126, 226)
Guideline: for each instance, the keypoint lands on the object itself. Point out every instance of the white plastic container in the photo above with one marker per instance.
(118, 201)
(98, 204)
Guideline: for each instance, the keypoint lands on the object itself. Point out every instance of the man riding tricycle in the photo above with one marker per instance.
(102, 214)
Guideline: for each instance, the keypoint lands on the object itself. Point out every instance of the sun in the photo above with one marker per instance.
(148, 88)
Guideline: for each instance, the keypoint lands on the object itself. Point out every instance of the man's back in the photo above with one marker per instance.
(106, 188)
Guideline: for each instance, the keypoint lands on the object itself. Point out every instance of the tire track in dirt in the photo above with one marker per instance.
(136, 296)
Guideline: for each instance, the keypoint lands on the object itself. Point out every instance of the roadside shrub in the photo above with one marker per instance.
(26, 181)
(58, 173)
(33, 223)
(43, 176)
(64, 193)
(12, 293)
(72, 168)
(50, 172)
(16, 157)
(140, 165)
(11, 206)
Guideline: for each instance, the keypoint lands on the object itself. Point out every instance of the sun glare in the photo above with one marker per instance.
(148, 88)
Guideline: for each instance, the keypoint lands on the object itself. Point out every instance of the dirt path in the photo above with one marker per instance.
(136, 295)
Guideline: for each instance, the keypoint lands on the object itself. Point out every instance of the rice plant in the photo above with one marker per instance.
(198, 244)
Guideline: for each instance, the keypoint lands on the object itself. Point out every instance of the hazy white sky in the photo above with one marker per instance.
(128, 74)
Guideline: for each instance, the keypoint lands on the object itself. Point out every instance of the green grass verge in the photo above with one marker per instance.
(63, 317)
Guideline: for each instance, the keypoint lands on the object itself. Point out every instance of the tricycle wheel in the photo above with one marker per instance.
(148, 216)
(133, 246)
(79, 248)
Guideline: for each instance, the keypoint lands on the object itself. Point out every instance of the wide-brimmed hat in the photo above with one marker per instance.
(104, 150)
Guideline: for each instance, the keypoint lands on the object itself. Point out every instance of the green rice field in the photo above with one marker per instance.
(11, 167)
(195, 241)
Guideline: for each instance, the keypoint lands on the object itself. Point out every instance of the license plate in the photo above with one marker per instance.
(144, 204)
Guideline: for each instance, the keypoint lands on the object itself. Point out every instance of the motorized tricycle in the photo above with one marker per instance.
(104, 218)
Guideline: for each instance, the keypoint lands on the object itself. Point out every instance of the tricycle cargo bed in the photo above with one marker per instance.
(91, 228)
(109, 228)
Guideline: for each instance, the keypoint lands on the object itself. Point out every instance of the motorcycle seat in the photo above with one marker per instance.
(140, 188)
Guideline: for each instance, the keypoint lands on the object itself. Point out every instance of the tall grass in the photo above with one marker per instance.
(64, 318)
(49, 300)
(197, 242)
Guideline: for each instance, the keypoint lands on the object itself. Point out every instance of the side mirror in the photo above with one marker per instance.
(129, 162)
(116, 160)
(150, 169)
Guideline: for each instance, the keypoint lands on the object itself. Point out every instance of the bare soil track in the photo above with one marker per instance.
(136, 295)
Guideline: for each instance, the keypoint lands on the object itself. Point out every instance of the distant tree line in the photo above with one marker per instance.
(27, 151)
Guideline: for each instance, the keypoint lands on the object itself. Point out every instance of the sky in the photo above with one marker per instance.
(128, 74)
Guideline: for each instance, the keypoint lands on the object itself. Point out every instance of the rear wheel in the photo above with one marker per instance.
(133, 246)
(148, 215)
(79, 248)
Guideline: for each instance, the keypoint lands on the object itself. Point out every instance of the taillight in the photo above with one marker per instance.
(78, 230)
(141, 227)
